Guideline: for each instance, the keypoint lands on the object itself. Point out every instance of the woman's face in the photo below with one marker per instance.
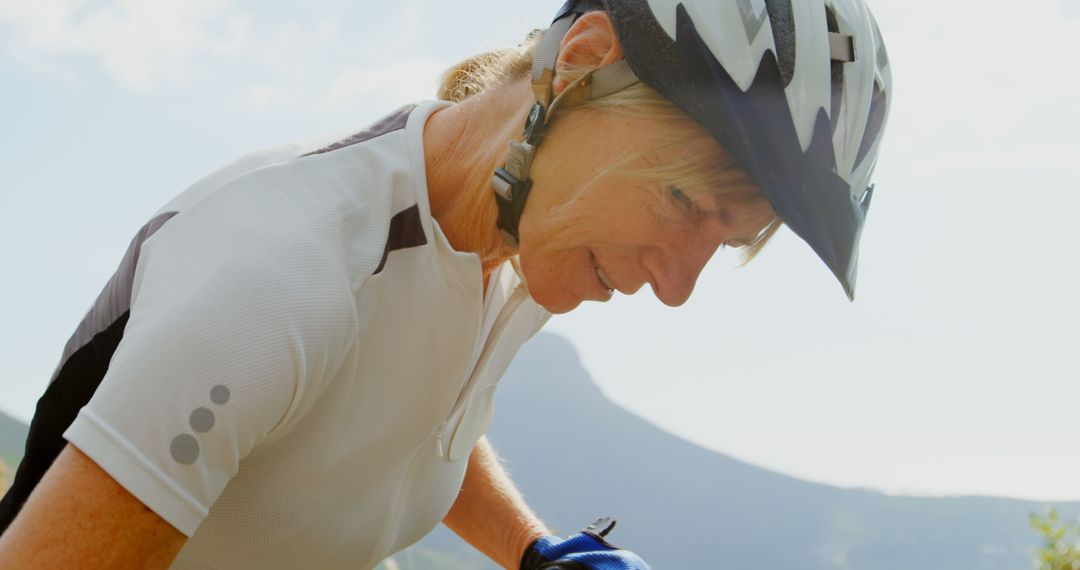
(579, 243)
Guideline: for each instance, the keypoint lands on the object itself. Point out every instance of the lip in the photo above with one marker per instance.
(607, 292)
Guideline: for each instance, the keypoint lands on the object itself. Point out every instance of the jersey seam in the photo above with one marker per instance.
(224, 184)
(133, 452)
(301, 390)
(349, 146)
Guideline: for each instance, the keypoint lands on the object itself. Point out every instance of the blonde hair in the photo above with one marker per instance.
(691, 169)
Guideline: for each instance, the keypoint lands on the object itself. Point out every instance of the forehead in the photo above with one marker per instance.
(680, 152)
(701, 166)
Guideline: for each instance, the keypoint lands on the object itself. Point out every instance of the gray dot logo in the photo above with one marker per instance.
(202, 420)
(219, 394)
(185, 449)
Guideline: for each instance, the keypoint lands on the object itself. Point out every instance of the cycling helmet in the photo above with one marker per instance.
(798, 91)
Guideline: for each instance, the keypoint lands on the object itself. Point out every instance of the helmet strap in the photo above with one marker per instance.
(511, 183)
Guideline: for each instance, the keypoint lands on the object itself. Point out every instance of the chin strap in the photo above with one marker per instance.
(511, 183)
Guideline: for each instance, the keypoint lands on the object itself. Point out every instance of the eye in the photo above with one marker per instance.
(681, 197)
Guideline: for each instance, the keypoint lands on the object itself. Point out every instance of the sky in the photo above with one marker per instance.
(954, 372)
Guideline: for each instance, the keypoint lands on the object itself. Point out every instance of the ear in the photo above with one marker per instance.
(590, 43)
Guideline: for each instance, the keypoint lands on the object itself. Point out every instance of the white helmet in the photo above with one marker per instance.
(797, 90)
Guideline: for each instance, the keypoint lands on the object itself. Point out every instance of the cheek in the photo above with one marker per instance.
(547, 284)
(554, 231)
(544, 268)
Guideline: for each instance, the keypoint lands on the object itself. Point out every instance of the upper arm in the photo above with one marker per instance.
(79, 517)
(227, 337)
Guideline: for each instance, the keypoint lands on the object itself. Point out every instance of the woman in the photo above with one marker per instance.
(295, 362)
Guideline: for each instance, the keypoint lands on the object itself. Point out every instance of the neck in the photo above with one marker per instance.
(463, 145)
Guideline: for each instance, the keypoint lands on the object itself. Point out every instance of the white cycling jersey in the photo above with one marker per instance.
(306, 362)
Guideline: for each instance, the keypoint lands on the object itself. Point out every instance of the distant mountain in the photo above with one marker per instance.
(576, 456)
(12, 439)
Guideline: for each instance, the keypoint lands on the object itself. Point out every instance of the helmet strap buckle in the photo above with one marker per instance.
(511, 193)
(535, 124)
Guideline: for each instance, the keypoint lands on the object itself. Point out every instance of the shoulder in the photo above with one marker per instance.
(302, 214)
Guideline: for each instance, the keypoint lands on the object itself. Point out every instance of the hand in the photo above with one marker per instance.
(586, 550)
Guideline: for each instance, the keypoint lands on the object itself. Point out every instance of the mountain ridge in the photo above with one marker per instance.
(12, 439)
(577, 455)
(682, 505)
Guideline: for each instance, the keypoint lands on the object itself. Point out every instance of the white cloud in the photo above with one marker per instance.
(141, 44)
(144, 46)
(394, 82)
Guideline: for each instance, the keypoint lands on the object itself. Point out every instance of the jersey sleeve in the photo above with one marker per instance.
(231, 327)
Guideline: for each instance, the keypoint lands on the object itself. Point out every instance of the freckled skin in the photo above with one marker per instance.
(636, 231)
(631, 229)
(79, 517)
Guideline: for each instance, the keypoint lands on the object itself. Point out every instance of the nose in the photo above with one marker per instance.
(675, 267)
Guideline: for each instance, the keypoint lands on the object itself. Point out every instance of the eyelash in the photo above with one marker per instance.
(686, 201)
(682, 197)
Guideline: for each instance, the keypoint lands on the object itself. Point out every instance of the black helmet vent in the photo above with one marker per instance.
(830, 19)
(837, 68)
(783, 29)
(873, 123)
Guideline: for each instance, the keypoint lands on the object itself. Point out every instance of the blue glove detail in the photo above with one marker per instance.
(586, 550)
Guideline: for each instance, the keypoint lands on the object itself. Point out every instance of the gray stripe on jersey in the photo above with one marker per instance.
(406, 230)
(115, 298)
(390, 123)
(81, 369)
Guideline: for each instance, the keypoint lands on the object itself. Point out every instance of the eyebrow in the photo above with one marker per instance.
(721, 209)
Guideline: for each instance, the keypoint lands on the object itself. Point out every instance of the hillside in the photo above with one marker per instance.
(12, 438)
(576, 456)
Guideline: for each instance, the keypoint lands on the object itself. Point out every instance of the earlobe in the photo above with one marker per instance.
(590, 43)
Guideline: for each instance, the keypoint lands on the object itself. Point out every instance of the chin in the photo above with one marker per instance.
(555, 304)
(560, 309)
(549, 294)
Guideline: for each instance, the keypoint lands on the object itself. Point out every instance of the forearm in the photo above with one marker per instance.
(490, 513)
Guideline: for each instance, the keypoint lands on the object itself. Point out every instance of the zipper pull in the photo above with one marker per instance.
(439, 439)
